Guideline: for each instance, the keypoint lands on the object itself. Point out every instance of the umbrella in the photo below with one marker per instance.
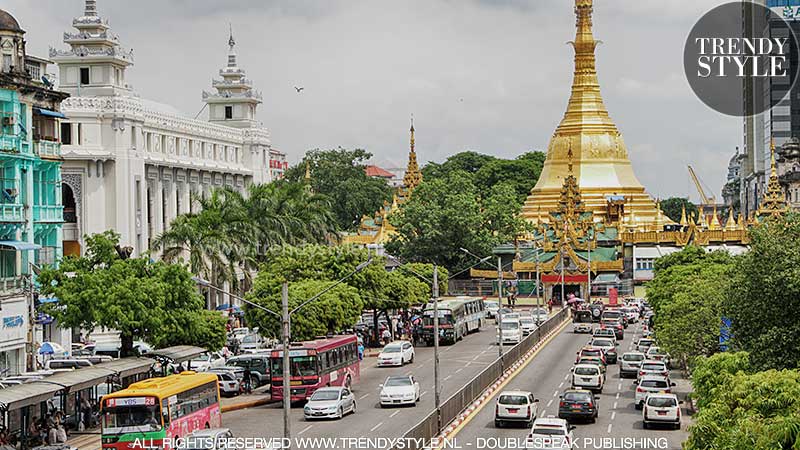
(51, 348)
(228, 307)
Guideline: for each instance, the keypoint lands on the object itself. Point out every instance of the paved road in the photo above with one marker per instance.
(547, 376)
(458, 364)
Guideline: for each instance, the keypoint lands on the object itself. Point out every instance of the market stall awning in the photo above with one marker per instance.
(178, 353)
(48, 113)
(19, 245)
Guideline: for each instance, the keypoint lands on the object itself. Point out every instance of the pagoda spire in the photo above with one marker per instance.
(413, 176)
(684, 222)
(231, 47)
(774, 203)
(90, 10)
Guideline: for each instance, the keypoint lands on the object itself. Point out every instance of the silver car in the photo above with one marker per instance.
(330, 402)
(229, 384)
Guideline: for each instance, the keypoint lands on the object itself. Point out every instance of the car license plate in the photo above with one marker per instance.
(576, 410)
(662, 413)
(296, 383)
(661, 392)
(513, 410)
(586, 379)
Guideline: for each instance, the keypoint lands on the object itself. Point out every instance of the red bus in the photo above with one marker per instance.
(315, 364)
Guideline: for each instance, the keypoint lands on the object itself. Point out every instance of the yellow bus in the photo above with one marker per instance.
(157, 411)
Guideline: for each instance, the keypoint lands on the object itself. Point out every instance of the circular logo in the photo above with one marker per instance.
(740, 58)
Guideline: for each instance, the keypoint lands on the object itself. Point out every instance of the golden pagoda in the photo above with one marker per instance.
(376, 229)
(600, 158)
(774, 203)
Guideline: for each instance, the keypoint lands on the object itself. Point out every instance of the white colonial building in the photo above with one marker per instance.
(131, 164)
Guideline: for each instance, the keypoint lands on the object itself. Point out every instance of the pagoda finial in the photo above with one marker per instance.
(714, 224)
(231, 45)
(91, 8)
(569, 158)
(774, 203)
(413, 176)
(684, 222)
(307, 177)
(730, 224)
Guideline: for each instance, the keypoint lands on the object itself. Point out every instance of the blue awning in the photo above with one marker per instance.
(48, 113)
(19, 245)
(48, 299)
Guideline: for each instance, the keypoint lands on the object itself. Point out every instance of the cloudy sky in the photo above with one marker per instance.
(486, 75)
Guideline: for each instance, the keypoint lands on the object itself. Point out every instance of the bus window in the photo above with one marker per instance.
(165, 412)
(134, 412)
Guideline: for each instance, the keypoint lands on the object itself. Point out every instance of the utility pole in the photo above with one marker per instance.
(500, 310)
(436, 393)
(589, 274)
(562, 278)
(287, 390)
(538, 295)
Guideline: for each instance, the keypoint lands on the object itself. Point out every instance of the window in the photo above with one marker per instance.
(7, 63)
(66, 133)
(84, 75)
(133, 137)
(229, 112)
(79, 141)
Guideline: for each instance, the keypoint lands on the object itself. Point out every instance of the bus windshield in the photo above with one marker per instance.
(300, 366)
(124, 419)
(445, 317)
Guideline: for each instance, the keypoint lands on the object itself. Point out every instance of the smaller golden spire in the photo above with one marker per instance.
(774, 203)
(730, 224)
(308, 171)
(714, 224)
(740, 224)
(684, 222)
(413, 176)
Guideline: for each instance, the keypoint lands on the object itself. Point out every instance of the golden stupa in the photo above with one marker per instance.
(599, 157)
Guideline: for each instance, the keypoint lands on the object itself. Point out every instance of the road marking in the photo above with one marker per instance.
(305, 429)
(619, 386)
(566, 377)
(478, 356)
(609, 428)
(615, 405)
(617, 395)
(364, 396)
(423, 393)
(376, 426)
(447, 377)
(613, 415)
(561, 385)
(394, 413)
(459, 370)
(550, 403)
(555, 394)
(543, 412)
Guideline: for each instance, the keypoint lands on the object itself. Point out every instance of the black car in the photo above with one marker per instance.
(258, 365)
(578, 404)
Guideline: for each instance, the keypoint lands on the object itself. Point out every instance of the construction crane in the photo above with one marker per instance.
(705, 200)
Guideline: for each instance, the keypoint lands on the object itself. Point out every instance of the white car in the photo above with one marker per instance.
(491, 308)
(651, 384)
(252, 341)
(643, 344)
(330, 402)
(527, 324)
(550, 433)
(539, 314)
(396, 353)
(512, 315)
(399, 390)
(515, 406)
(652, 367)
(630, 363)
(632, 314)
(206, 361)
(661, 409)
(229, 384)
(656, 353)
(511, 331)
(587, 376)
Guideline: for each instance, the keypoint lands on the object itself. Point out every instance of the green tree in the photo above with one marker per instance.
(520, 174)
(155, 302)
(469, 162)
(759, 411)
(426, 270)
(339, 174)
(673, 208)
(763, 301)
(442, 216)
(712, 373)
(335, 310)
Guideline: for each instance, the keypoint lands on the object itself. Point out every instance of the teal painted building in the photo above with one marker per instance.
(31, 211)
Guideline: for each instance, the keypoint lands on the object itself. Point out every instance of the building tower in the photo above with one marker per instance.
(600, 159)
(95, 63)
(234, 104)
(413, 176)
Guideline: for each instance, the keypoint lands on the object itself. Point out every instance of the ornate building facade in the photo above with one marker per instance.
(131, 164)
(30, 194)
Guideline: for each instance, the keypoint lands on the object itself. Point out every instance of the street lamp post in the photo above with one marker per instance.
(285, 317)
(500, 311)
(436, 388)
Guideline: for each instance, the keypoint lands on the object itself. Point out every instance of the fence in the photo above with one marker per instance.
(421, 434)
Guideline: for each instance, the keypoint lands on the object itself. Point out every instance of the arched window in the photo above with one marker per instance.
(68, 200)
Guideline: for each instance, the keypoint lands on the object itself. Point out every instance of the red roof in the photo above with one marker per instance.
(375, 171)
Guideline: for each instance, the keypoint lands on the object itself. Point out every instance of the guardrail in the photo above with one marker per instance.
(421, 434)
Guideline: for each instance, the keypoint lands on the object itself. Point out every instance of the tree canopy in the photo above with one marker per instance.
(673, 208)
(339, 174)
(152, 301)
(445, 215)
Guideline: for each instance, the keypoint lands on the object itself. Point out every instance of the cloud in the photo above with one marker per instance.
(486, 75)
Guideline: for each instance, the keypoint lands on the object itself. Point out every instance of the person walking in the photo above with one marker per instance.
(247, 386)
(387, 336)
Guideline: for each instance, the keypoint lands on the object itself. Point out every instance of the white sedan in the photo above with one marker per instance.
(549, 432)
(399, 390)
(207, 361)
(396, 353)
(330, 402)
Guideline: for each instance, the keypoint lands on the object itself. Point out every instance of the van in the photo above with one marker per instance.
(511, 332)
(258, 365)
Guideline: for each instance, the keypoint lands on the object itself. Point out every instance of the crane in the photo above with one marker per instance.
(705, 200)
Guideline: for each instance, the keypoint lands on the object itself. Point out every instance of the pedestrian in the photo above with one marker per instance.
(415, 334)
(399, 329)
(247, 386)
(86, 412)
(360, 350)
(387, 336)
